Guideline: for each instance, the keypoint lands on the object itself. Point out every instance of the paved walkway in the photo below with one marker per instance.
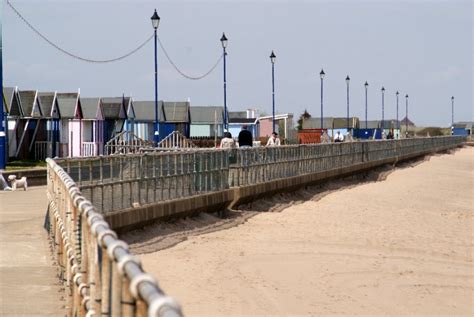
(28, 282)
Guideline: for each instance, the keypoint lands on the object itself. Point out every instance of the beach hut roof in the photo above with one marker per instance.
(67, 104)
(144, 111)
(207, 115)
(113, 107)
(15, 108)
(91, 109)
(28, 100)
(47, 100)
(174, 111)
(8, 96)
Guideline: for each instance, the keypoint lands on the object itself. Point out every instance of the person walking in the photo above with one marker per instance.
(274, 140)
(245, 137)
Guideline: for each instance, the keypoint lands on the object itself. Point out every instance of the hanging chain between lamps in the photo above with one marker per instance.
(103, 61)
(181, 72)
(89, 60)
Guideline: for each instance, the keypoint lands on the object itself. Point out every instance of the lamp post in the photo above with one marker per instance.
(3, 127)
(321, 75)
(406, 116)
(366, 86)
(348, 80)
(383, 108)
(155, 21)
(452, 111)
(272, 59)
(398, 122)
(224, 45)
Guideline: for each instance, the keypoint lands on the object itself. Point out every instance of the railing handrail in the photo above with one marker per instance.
(80, 232)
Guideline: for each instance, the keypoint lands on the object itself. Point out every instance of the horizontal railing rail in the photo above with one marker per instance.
(101, 276)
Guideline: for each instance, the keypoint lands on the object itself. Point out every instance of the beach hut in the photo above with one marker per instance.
(207, 121)
(92, 127)
(115, 115)
(237, 119)
(174, 116)
(144, 118)
(13, 109)
(70, 124)
(32, 124)
(49, 145)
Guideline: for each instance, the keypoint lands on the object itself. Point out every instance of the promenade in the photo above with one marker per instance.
(29, 285)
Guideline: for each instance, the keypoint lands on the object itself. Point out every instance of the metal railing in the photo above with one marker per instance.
(258, 165)
(125, 142)
(175, 140)
(89, 148)
(122, 181)
(101, 277)
(43, 149)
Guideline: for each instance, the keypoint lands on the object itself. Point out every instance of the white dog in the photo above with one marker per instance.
(18, 183)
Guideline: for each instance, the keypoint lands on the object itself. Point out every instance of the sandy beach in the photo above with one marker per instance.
(401, 246)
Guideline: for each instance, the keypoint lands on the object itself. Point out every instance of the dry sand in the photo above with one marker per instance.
(402, 246)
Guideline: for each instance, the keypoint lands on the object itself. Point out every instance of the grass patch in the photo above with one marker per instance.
(24, 164)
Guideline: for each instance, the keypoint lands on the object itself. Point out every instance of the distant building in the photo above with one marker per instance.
(333, 125)
(463, 128)
(237, 119)
(283, 126)
(406, 121)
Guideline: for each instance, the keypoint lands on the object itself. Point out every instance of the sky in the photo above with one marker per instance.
(420, 48)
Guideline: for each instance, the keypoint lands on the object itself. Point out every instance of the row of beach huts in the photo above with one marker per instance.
(50, 124)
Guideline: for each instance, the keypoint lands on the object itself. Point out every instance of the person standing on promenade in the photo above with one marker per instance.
(274, 140)
(245, 137)
(227, 142)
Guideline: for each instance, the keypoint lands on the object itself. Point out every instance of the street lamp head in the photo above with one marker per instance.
(406, 96)
(322, 73)
(397, 93)
(383, 88)
(224, 40)
(273, 57)
(366, 84)
(452, 98)
(348, 79)
(155, 20)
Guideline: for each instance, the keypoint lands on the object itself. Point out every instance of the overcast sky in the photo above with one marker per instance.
(423, 48)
